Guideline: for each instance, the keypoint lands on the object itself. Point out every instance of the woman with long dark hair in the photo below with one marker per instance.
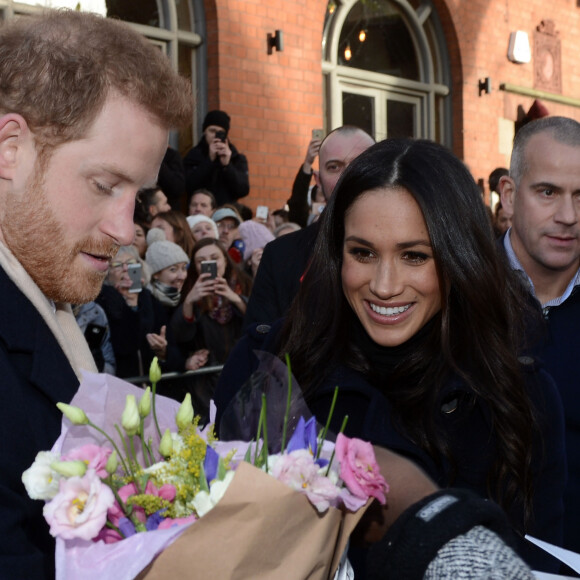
(408, 307)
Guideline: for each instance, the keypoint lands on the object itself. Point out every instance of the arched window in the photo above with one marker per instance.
(386, 69)
(176, 26)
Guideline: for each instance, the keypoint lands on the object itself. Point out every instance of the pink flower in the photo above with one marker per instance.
(108, 536)
(79, 509)
(299, 471)
(169, 523)
(94, 456)
(359, 469)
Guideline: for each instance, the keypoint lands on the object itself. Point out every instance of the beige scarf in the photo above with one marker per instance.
(58, 317)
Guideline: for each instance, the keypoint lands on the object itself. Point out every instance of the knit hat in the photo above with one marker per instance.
(155, 235)
(163, 254)
(193, 220)
(225, 212)
(217, 118)
(255, 235)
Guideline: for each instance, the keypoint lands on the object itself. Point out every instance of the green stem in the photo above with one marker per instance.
(125, 468)
(342, 427)
(265, 428)
(154, 392)
(111, 526)
(328, 419)
(143, 445)
(132, 445)
(130, 457)
(288, 398)
(259, 432)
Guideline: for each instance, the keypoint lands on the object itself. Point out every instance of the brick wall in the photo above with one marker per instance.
(276, 100)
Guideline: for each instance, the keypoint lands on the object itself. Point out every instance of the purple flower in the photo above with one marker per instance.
(304, 436)
(210, 464)
(154, 520)
(126, 527)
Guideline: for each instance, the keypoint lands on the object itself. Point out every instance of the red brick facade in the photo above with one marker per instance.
(276, 100)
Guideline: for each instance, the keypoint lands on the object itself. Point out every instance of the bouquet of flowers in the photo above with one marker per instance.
(134, 486)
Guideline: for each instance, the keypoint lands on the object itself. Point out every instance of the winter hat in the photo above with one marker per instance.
(193, 220)
(225, 212)
(255, 235)
(163, 254)
(155, 235)
(217, 118)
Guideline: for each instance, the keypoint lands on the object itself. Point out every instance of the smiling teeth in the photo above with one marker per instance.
(389, 311)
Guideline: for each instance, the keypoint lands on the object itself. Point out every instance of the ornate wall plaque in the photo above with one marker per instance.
(547, 58)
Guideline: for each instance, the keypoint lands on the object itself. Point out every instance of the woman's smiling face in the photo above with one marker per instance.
(389, 276)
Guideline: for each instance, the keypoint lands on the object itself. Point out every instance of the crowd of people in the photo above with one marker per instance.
(450, 329)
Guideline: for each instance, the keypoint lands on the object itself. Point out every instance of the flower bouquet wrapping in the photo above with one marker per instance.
(157, 502)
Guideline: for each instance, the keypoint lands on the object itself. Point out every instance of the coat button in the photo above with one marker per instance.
(263, 328)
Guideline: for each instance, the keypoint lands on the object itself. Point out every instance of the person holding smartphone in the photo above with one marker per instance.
(137, 320)
(209, 320)
(215, 164)
(298, 204)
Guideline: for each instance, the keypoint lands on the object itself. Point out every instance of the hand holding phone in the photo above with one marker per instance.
(209, 267)
(134, 272)
(262, 212)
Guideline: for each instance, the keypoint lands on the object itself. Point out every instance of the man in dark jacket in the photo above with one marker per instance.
(215, 164)
(78, 141)
(542, 193)
(285, 259)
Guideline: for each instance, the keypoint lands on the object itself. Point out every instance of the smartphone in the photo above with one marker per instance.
(209, 266)
(317, 134)
(134, 271)
(221, 135)
(262, 212)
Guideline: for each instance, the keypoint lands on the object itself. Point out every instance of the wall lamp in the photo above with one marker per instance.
(485, 86)
(275, 41)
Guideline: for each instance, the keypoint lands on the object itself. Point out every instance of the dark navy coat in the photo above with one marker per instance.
(34, 375)
(467, 426)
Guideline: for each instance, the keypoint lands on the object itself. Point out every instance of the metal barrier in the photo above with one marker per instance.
(201, 371)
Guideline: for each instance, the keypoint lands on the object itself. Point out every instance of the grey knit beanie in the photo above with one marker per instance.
(163, 254)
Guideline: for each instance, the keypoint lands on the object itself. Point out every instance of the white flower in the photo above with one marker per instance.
(204, 501)
(40, 481)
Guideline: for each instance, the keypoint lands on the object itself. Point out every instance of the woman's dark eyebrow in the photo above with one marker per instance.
(401, 245)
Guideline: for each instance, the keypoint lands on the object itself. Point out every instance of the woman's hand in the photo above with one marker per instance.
(197, 360)
(407, 485)
(122, 287)
(204, 286)
(158, 343)
(222, 288)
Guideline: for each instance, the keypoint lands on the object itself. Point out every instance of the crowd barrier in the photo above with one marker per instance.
(165, 376)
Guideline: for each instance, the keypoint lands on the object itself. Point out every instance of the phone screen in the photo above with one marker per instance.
(317, 133)
(262, 212)
(209, 266)
(134, 271)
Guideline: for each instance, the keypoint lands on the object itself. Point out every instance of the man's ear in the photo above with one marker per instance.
(14, 135)
(507, 188)
(317, 177)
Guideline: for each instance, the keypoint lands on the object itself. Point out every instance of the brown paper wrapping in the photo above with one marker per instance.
(260, 530)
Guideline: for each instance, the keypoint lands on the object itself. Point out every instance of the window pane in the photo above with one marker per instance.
(400, 119)
(183, 15)
(142, 12)
(358, 110)
(375, 37)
